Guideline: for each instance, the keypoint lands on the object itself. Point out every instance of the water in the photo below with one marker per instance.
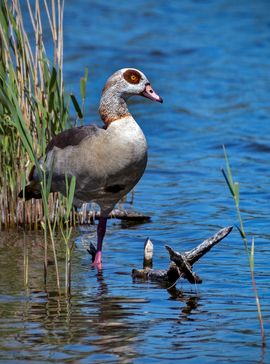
(210, 62)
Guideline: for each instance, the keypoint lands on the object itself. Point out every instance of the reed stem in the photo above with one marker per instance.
(234, 189)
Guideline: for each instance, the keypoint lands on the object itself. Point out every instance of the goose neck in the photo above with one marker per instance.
(112, 107)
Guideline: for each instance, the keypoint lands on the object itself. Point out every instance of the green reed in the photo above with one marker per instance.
(66, 227)
(234, 190)
(33, 108)
(32, 86)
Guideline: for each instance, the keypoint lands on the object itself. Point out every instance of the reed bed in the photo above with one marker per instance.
(33, 103)
(33, 108)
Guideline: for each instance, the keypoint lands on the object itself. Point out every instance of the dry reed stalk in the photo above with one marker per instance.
(28, 70)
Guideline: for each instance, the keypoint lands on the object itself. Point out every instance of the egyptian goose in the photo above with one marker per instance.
(107, 162)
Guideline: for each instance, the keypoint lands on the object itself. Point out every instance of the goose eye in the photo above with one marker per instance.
(132, 76)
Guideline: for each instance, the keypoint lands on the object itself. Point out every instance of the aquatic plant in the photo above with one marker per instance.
(33, 103)
(33, 108)
(234, 190)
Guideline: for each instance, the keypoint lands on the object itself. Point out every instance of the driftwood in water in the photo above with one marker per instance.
(181, 266)
(128, 215)
(86, 217)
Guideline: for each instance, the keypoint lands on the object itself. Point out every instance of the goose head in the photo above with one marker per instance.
(119, 88)
(129, 82)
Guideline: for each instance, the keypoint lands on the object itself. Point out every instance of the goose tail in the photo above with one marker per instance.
(31, 191)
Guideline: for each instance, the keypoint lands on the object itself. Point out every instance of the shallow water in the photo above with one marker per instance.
(210, 61)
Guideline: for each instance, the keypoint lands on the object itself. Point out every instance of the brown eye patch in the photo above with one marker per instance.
(132, 76)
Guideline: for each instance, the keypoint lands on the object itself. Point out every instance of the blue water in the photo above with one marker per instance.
(210, 62)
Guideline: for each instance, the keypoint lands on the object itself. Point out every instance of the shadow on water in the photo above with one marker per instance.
(36, 316)
(92, 323)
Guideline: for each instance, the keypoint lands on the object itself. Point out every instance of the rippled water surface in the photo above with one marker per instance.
(210, 61)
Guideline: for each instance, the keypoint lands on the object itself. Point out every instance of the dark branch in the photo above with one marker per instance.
(127, 215)
(195, 254)
(182, 263)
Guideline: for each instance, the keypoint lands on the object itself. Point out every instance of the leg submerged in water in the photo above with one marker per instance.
(101, 230)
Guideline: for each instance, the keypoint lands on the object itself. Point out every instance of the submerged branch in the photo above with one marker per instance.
(195, 254)
(125, 215)
(181, 266)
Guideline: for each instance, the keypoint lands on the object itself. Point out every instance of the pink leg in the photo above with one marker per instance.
(101, 230)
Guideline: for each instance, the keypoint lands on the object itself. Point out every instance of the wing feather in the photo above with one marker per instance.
(72, 137)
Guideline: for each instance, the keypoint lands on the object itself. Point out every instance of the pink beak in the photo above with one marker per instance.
(150, 93)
